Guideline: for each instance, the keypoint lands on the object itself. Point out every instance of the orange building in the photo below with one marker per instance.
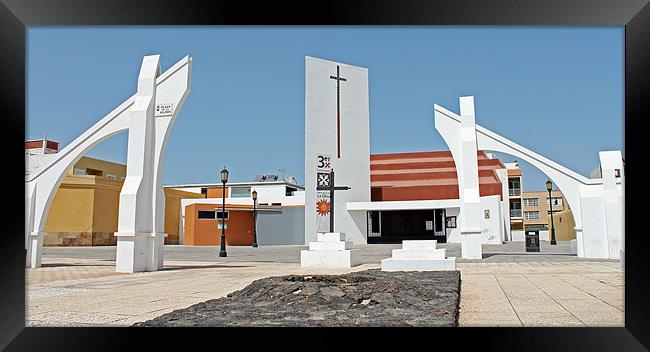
(201, 225)
(280, 213)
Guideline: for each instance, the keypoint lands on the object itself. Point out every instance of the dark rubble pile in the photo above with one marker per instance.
(366, 298)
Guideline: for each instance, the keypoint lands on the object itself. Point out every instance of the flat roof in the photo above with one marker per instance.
(188, 185)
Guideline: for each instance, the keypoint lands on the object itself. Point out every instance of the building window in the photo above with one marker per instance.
(206, 214)
(94, 172)
(111, 177)
(557, 201)
(204, 191)
(211, 214)
(515, 208)
(487, 213)
(617, 172)
(531, 215)
(451, 222)
(78, 171)
(220, 215)
(240, 192)
(514, 187)
(531, 202)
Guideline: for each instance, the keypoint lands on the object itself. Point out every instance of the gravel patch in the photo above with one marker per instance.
(365, 298)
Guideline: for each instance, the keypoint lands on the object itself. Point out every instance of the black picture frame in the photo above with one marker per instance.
(450, 222)
(17, 15)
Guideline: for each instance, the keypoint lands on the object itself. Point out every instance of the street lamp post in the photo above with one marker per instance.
(224, 179)
(254, 219)
(549, 187)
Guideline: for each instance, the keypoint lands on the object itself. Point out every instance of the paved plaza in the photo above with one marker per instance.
(78, 286)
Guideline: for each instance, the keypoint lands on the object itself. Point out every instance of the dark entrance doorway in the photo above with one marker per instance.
(399, 225)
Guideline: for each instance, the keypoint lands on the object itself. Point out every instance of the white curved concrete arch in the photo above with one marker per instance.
(569, 182)
(41, 186)
(173, 87)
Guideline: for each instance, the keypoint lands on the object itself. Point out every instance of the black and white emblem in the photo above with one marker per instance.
(323, 179)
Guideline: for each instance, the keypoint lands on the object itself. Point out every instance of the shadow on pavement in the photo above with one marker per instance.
(180, 267)
(54, 265)
(487, 255)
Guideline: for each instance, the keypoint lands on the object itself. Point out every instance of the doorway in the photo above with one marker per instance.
(396, 226)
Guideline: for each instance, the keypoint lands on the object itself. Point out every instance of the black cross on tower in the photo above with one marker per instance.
(338, 79)
(330, 187)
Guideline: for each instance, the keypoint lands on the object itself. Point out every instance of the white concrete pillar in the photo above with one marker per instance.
(610, 162)
(468, 185)
(337, 136)
(136, 241)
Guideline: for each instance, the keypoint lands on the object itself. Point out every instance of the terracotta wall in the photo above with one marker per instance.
(204, 232)
(395, 177)
(427, 192)
(216, 193)
(39, 144)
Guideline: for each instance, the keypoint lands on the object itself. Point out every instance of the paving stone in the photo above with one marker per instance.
(83, 280)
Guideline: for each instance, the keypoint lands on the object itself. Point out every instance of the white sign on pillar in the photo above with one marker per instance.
(323, 203)
(336, 127)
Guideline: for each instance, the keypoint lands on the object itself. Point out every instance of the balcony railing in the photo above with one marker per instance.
(515, 191)
(515, 213)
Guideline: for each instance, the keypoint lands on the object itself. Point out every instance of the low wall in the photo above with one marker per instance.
(281, 228)
(62, 239)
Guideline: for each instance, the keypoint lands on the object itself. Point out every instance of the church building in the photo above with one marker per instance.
(415, 196)
(384, 198)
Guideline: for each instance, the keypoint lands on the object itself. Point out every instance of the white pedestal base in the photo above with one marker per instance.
(330, 251)
(622, 259)
(390, 264)
(573, 247)
(470, 244)
(418, 256)
(34, 250)
(138, 252)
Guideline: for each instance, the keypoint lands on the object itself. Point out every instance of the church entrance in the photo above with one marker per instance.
(396, 226)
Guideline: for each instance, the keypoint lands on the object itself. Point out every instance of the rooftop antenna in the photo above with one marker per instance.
(282, 173)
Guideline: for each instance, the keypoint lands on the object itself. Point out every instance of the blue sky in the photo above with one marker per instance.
(556, 90)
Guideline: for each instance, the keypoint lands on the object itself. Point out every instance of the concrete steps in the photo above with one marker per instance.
(420, 255)
(331, 250)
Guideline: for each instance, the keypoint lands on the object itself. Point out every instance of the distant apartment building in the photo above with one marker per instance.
(537, 214)
(515, 187)
(537, 208)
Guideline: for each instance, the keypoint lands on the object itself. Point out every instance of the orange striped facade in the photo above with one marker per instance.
(426, 176)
